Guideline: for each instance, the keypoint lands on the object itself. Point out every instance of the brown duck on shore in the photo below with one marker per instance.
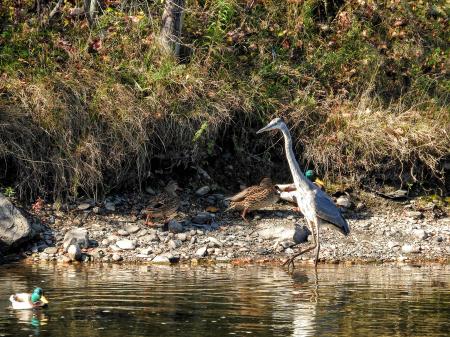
(254, 198)
(163, 206)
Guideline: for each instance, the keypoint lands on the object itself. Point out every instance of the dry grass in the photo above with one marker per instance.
(362, 86)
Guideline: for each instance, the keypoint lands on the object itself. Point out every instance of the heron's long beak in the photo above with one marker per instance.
(266, 128)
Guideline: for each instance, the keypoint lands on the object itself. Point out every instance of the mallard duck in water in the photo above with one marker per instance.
(254, 198)
(164, 206)
(29, 301)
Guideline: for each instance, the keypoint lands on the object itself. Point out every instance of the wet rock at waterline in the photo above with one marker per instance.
(77, 236)
(14, 227)
(74, 252)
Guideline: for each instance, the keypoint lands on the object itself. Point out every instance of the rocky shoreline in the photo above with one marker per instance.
(114, 231)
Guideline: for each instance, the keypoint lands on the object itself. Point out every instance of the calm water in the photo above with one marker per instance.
(113, 300)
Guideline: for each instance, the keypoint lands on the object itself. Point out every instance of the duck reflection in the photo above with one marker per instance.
(36, 318)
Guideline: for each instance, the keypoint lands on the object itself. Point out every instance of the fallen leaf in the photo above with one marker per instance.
(212, 209)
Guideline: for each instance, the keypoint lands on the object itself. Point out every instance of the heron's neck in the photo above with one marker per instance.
(300, 181)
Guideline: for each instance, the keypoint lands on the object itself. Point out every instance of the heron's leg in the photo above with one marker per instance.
(316, 225)
(290, 261)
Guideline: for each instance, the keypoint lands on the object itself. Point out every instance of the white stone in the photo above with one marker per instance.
(126, 244)
(201, 252)
(74, 252)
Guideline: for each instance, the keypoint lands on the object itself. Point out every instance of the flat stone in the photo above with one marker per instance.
(84, 206)
(407, 249)
(126, 244)
(276, 232)
(146, 251)
(213, 242)
(175, 227)
(182, 237)
(117, 257)
(142, 233)
(201, 252)
(110, 206)
(51, 250)
(77, 236)
(174, 244)
(222, 259)
(123, 232)
(115, 248)
(344, 201)
(420, 234)
(14, 227)
(301, 234)
(150, 190)
(203, 191)
(131, 229)
(74, 252)
(203, 218)
(161, 259)
(416, 215)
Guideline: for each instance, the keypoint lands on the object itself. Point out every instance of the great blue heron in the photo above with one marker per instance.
(317, 207)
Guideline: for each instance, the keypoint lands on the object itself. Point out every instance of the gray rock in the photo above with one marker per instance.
(276, 232)
(117, 257)
(407, 249)
(174, 244)
(344, 201)
(77, 236)
(150, 190)
(420, 234)
(146, 251)
(132, 229)
(416, 215)
(175, 227)
(182, 237)
(51, 250)
(14, 227)
(213, 242)
(142, 233)
(203, 191)
(84, 206)
(123, 232)
(74, 252)
(110, 206)
(114, 248)
(301, 234)
(96, 210)
(203, 218)
(161, 259)
(126, 244)
(201, 252)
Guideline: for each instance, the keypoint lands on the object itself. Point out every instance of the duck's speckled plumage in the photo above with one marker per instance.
(254, 197)
(165, 205)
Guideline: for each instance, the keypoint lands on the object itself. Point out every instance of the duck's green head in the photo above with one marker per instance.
(311, 175)
(36, 295)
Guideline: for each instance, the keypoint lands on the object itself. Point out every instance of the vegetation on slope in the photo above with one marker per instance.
(90, 107)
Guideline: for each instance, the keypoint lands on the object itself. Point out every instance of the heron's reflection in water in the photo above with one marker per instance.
(305, 297)
(35, 317)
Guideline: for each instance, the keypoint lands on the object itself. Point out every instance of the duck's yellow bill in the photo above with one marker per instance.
(43, 300)
(319, 182)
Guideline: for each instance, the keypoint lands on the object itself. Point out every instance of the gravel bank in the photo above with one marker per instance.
(114, 231)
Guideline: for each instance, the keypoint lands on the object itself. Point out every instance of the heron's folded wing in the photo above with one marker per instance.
(327, 210)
